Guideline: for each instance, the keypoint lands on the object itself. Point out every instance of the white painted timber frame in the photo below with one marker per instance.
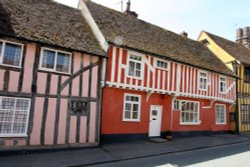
(130, 54)
(199, 73)
(139, 108)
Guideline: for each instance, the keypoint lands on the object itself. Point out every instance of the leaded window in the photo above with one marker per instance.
(189, 112)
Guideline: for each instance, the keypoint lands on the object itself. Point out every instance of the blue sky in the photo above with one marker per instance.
(221, 17)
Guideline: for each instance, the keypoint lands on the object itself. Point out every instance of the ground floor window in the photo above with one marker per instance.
(14, 113)
(132, 105)
(189, 112)
(220, 114)
(245, 113)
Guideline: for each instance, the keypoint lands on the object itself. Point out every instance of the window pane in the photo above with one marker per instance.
(131, 68)
(5, 128)
(12, 54)
(48, 59)
(22, 104)
(135, 107)
(135, 115)
(127, 114)
(63, 61)
(7, 103)
(128, 107)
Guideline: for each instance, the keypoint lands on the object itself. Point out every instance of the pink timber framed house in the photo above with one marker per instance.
(50, 65)
(157, 81)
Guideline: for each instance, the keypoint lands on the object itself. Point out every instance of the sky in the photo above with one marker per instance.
(220, 17)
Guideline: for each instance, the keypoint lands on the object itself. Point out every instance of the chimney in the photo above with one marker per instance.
(128, 11)
(184, 34)
(243, 36)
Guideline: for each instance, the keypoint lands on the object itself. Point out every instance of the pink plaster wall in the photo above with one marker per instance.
(72, 134)
(28, 67)
(92, 128)
(21, 142)
(94, 82)
(1, 79)
(83, 129)
(50, 122)
(77, 66)
(86, 62)
(14, 80)
(37, 121)
(65, 91)
(53, 84)
(41, 82)
(62, 121)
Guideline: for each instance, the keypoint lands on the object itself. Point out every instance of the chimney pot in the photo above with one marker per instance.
(184, 34)
(128, 11)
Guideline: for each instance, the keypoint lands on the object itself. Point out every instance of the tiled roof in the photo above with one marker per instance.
(238, 51)
(143, 36)
(47, 22)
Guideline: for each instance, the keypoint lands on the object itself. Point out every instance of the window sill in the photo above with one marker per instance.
(52, 71)
(15, 136)
(12, 66)
(196, 123)
(131, 77)
(126, 120)
(221, 123)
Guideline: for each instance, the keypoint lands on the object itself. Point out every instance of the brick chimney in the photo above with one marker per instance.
(128, 11)
(243, 36)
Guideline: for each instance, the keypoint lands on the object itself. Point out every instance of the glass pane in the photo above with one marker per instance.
(154, 112)
(128, 98)
(63, 61)
(7, 103)
(131, 68)
(127, 114)
(6, 116)
(135, 115)
(19, 128)
(135, 107)
(22, 104)
(128, 107)
(48, 59)
(12, 54)
(138, 66)
(5, 128)
(138, 73)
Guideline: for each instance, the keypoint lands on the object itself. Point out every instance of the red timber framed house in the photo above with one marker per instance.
(49, 76)
(157, 81)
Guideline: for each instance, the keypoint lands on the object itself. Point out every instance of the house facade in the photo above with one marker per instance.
(157, 81)
(49, 77)
(236, 56)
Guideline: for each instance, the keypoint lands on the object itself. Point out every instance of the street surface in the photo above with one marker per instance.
(236, 155)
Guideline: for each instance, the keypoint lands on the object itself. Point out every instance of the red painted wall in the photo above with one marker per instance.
(112, 123)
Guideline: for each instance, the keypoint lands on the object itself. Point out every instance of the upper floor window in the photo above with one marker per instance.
(223, 85)
(54, 60)
(14, 114)
(203, 81)
(10, 53)
(132, 105)
(135, 66)
(220, 114)
(161, 64)
(247, 75)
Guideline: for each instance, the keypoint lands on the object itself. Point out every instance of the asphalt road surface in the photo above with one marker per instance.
(236, 155)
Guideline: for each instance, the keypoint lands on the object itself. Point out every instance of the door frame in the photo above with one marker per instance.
(160, 108)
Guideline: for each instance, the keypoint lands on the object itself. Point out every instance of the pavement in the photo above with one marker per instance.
(119, 151)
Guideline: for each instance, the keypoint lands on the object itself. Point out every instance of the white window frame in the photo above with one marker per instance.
(130, 53)
(198, 113)
(139, 108)
(56, 52)
(225, 115)
(27, 121)
(173, 105)
(2, 53)
(220, 84)
(199, 84)
(162, 60)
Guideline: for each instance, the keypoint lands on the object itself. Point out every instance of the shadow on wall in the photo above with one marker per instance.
(5, 24)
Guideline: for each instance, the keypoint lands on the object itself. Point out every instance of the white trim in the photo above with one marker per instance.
(14, 111)
(55, 61)
(178, 79)
(173, 74)
(159, 79)
(164, 80)
(205, 72)
(139, 108)
(3, 49)
(220, 76)
(113, 64)
(198, 112)
(225, 116)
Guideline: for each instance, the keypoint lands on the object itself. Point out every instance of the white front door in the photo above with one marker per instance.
(155, 121)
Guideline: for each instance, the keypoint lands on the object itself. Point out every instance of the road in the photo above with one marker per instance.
(236, 155)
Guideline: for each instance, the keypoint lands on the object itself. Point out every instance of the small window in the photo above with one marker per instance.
(79, 107)
(132, 104)
(54, 60)
(223, 85)
(203, 81)
(135, 66)
(247, 75)
(10, 53)
(14, 114)
(176, 105)
(245, 113)
(220, 114)
(161, 64)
